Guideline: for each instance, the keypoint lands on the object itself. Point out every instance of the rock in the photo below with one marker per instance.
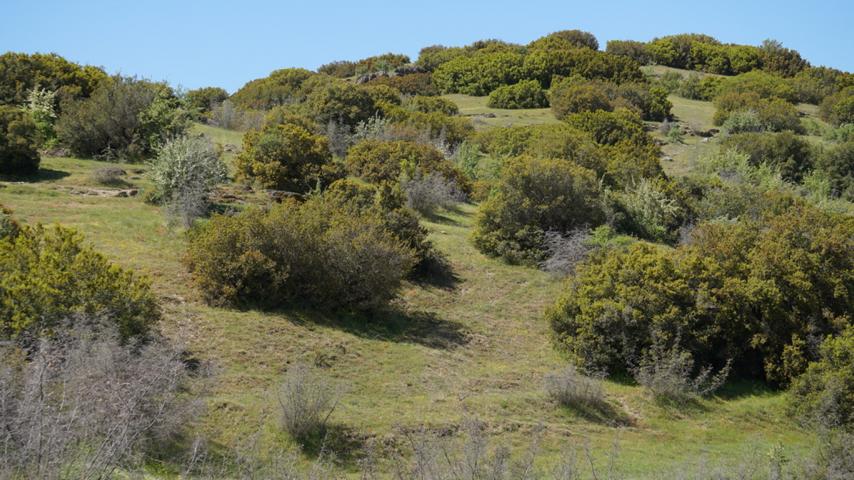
(408, 70)
(667, 158)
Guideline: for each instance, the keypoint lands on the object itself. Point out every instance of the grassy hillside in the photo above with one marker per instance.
(476, 345)
(484, 117)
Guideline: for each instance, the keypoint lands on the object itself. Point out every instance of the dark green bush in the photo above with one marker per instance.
(18, 150)
(696, 88)
(773, 114)
(649, 101)
(779, 60)
(776, 282)
(534, 196)
(576, 38)
(282, 87)
(629, 48)
(409, 84)
(430, 58)
(313, 252)
(202, 101)
(386, 62)
(792, 156)
(125, 118)
(340, 69)
(49, 276)
(814, 84)
(9, 228)
(838, 164)
(823, 395)
(763, 84)
(382, 94)
(611, 128)
(525, 94)
(425, 104)
(286, 157)
(438, 127)
(558, 58)
(340, 102)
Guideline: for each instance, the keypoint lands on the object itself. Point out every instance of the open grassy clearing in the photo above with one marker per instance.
(477, 346)
(484, 117)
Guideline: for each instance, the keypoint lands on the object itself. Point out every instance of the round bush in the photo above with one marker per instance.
(793, 156)
(534, 196)
(379, 161)
(824, 395)
(525, 94)
(570, 97)
(18, 150)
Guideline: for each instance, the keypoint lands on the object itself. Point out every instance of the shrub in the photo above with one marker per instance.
(124, 117)
(424, 104)
(565, 251)
(340, 102)
(436, 128)
(555, 57)
(9, 228)
(763, 84)
(786, 152)
(571, 388)
(18, 153)
(430, 58)
(525, 94)
(382, 94)
(340, 69)
(21, 73)
(576, 38)
(742, 121)
(478, 74)
(670, 374)
(380, 161)
(652, 211)
(41, 105)
(109, 176)
(696, 88)
(426, 193)
(83, 403)
(281, 87)
(611, 128)
(409, 84)
(814, 84)
(838, 164)
(314, 252)
(838, 108)
(629, 48)
(779, 60)
(228, 115)
(185, 172)
(202, 101)
(824, 394)
(773, 115)
(286, 157)
(306, 400)
(534, 196)
(568, 97)
(47, 276)
(386, 62)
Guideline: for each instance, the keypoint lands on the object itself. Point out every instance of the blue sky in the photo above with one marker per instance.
(196, 43)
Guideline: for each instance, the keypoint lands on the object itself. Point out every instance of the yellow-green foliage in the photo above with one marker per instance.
(525, 94)
(420, 103)
(754, 292)
(409, 84)
(20, 73)
(480, 73)
(48, 276)
(437, 125)
(824, 394)
(838, 108)
(281, 87)
(534, 196)
(340, 102)
(380, 161)
(555, 57)
(314, 252)
(772, 114)
(286, 157)
(764, 84)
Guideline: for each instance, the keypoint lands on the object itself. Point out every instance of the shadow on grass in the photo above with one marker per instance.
(391, 325)
(43, 175)
(744, 388)
(342, 444)
(435, 271)
(601, 412)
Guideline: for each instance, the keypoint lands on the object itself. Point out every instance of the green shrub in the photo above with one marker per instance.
(557, 58)
(386, 62)
(380, 161)
(202, 101)
(382, 94)
(814, 84)
(281, 87)
(420, 103)
(786, 152)
(824, 394)
(21, 73)
(776, 282)
(696, 88)
(286, 157)
(576, 38)
(125, 118)
(763, 84)
(409, 84)
(525, 94)
(48, 277)
(774, 114)
(340, 69)
(18, 152)
(838, 164)
(611, 128)
(629, 48)
(340, 102)
(838, 108)
(432, 57)
(534, 196)
(649, 101)
(41, 105)
(568, 97)
(435, 126)
(653, 212)
(313, 252)
(479, 74)
(779, 60)
(9, 228)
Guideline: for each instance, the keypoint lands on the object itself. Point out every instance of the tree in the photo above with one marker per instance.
(281, 87)
(780, 60)
(18, 153)
(286, 157)
(534, 196)
(125, 117)
(824, 394)
(203, 100)
(340, 102)
(20, 73)
(838, 164)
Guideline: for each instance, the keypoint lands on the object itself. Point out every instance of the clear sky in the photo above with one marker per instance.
(196, 43)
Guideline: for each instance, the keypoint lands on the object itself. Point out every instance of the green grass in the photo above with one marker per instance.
(484, 117)
(479, 347)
